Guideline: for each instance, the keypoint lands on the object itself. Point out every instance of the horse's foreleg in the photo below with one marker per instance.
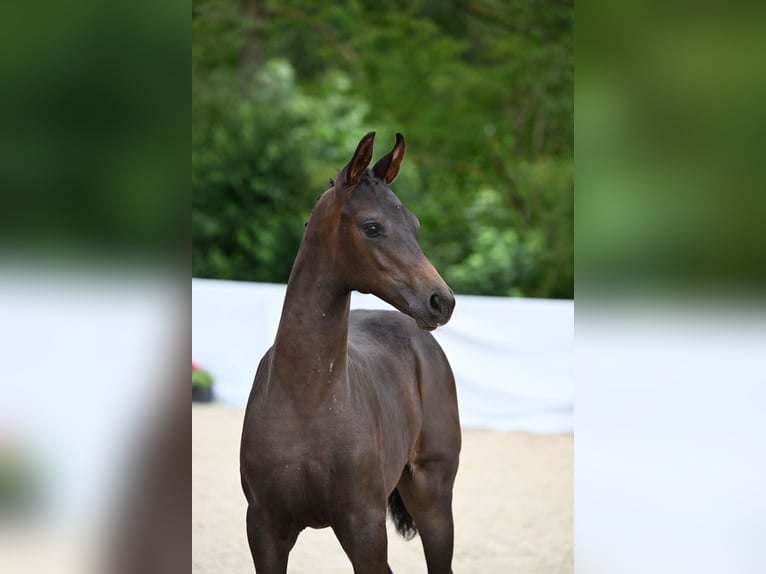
(270, 542)
(427, 495)
(364, 540)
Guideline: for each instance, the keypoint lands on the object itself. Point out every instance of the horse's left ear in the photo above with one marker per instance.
(360, 161)
(387, 167)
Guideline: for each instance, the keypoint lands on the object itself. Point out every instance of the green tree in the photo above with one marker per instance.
(482, 90)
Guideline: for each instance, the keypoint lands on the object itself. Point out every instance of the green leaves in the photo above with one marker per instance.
(482, 91)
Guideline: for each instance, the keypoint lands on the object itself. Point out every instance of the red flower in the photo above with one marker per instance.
(195, 366)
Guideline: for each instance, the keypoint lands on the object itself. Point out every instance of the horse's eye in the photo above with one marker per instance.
(372, 229)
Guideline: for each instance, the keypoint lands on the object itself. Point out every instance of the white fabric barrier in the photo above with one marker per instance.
(512, 358)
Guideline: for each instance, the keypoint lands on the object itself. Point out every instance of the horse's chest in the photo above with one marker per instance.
(306, 461)
(312, 445)
(304, 470)
(308, 442)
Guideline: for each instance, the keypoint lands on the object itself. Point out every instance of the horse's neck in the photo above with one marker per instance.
(311, 345)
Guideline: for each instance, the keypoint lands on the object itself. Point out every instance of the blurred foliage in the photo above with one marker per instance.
(482, 91)
(93, 145)
(670, 163)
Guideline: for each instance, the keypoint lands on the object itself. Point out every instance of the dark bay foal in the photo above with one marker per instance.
(354, 412)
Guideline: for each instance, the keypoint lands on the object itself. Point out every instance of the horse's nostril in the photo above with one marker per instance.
(436, 303)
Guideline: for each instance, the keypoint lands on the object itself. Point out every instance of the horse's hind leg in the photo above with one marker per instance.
(427, 495)
(270, 542)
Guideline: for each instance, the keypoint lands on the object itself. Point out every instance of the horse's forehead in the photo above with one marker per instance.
(374, 194)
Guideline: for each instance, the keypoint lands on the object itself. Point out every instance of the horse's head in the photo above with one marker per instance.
(374, 239)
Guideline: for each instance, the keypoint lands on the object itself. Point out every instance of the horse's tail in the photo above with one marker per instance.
(401, 517)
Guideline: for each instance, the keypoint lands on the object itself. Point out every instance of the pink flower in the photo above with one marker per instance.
(195, 366)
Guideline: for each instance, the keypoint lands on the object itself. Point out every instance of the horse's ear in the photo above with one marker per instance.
(388, 166)
(360, 161)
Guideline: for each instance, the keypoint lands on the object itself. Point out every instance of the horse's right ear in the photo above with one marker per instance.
(362, 157)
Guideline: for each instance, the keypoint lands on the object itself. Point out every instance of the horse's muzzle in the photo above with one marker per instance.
(440, 306)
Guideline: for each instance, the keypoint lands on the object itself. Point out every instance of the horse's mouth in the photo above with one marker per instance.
(426, 326)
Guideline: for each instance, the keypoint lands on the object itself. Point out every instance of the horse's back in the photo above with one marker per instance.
(391, 335)
(388, 327)
(402, 355)
(411, 372)
(392, 342)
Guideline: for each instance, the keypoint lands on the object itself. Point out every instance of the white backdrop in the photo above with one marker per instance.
(512, 358)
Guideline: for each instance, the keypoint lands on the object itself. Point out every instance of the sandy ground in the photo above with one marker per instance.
(513, 506)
